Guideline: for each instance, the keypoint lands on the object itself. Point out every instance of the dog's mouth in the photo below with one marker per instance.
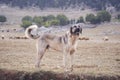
(77, 31)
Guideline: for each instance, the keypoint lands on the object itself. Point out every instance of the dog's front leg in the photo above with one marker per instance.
(71, 62)
(40, 54)
(71, 59)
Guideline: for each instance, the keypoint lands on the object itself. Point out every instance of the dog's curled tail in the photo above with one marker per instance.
(29, 30)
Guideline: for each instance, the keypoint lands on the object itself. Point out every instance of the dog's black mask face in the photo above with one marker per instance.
(76, 30)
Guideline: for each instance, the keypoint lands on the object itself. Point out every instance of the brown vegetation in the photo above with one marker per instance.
(47, 75)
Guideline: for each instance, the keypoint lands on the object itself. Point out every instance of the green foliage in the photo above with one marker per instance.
(44, 18)
(27, 18)
(63, 19)
(50, 17)
(47, 21)
(80, 20)
(3, 18)
(95, 20)
(26, 23)
(46, 24)
(38, 20)
(54, 22)
(90, 17)
(51, 20)
(104, 16)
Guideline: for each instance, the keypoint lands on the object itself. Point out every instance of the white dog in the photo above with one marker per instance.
(65, 43)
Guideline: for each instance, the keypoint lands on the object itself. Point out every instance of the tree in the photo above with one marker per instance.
(3, 19)
(104, 16)
(63, 19)
(80, 20)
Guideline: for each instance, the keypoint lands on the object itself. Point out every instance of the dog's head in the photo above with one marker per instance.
(75, 30)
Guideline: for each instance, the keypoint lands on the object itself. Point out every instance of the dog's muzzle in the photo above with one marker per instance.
(77, 31)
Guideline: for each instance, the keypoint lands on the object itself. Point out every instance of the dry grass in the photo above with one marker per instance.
(93, 57)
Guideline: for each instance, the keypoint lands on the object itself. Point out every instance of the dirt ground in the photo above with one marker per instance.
(93, 57)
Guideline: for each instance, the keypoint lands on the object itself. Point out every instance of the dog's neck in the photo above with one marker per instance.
(73, 39)
(70, 39)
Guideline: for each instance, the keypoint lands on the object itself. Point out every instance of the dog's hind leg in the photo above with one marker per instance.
(64, 59)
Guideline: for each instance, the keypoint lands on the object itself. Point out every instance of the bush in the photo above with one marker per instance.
(38, 20)
(90, 17)
(47, 24)
(26, 21)
(104, 16)
(50, 17)
(50, 20)
(95, 20)
(55, 22)
(26, 24)
(3, 19)
(27, 18)
(47, 21)
(63, 19)
(80, 20)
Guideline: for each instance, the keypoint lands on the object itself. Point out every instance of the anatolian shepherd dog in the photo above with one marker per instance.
(66, 43)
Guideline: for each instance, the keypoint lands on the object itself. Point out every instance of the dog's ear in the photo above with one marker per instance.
(80, 29)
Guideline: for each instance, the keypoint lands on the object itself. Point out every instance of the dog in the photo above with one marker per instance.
(66, 43)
